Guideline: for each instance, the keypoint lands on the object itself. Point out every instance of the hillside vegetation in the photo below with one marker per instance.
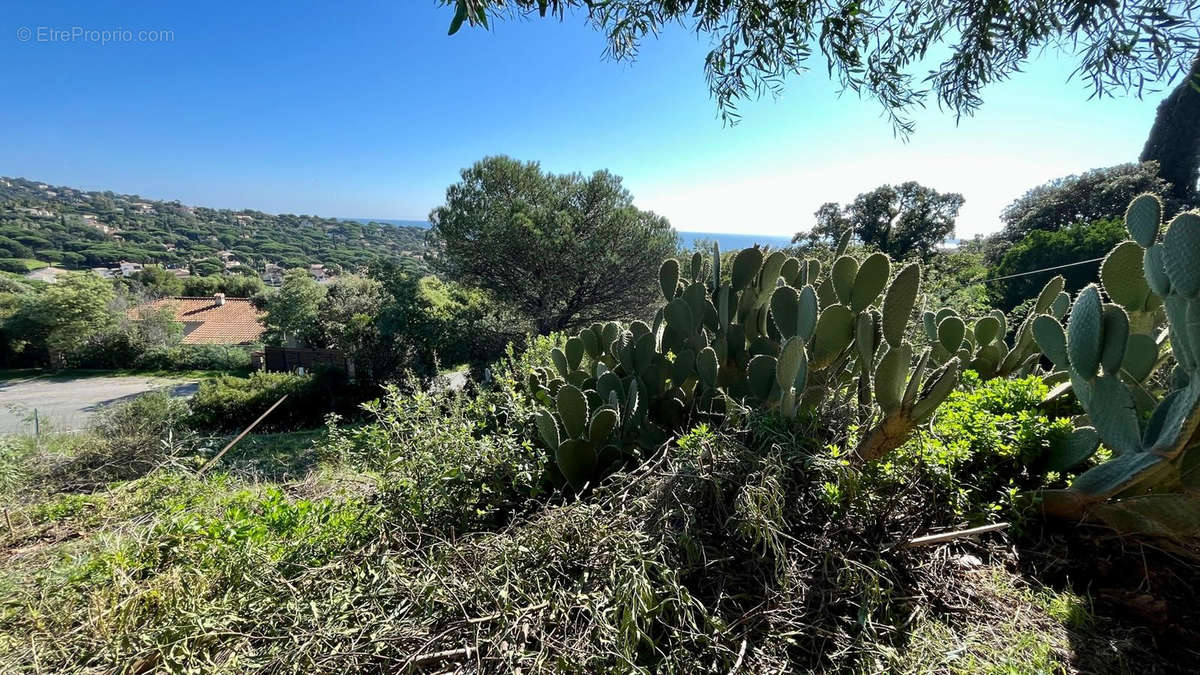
(78, 229)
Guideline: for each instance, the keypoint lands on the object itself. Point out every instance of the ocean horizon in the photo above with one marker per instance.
(728, 241)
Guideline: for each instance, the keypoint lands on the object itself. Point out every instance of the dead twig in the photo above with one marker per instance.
(245, 431)
(931, 539)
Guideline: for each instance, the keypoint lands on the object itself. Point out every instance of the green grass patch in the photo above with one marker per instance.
(28, 264)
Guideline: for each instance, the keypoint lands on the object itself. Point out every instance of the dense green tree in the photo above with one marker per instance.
(1042, 249)
(1174, 141)
(348, 321)
(1094, 195)
(158, 281)
(901, 220)
(51, 323)
(879, 48)
(291, 313)
(564, 250)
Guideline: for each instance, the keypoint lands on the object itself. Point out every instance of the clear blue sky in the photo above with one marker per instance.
(369, 109)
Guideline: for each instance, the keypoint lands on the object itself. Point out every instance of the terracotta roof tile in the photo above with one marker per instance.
(206, 322)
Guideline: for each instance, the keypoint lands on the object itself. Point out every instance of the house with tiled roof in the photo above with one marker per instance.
(213, 320)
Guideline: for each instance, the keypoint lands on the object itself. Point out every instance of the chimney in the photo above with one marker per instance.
(219, 298)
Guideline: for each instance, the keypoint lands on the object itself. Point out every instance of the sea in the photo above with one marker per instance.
(729, 241)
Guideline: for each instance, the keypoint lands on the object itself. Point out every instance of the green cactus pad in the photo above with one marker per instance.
(813, 271)
(716, 266)
(707, 366)
(559, 358)
(1143, 219)
(1048, 293)
(679, 316)
(1085, 332)
(573, 409)
(869, 282)
(1156, 271)
(834, 331)
(1116, 337)
(1113, 414)
(1141, 355)
(790, 270)
(1068, 453)
(865, 340)
(845, 269)
(591, 343)
(1168, 515)
(785, 310)
(771, 269)
(807, 313)
(929, 323)
(944, 381)
(1181, 251)
(643, 353)
(697, 266)
(987, 360)
(1123, 276)
(1115, 475)
(950, 331)
(611, 332)
(1058, 308)
(1051, 340)
(915, 380)
(577, 461)
(890, 377)
(574, 352)
(899, 302)
(986, 330)
(792, 367)
(746, 266)
(998, 315)
(668, 278)
(547, 428)
(843, 242)
(603, 422)
(760, 376)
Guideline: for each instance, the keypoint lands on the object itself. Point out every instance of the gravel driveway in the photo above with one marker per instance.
(67, 403)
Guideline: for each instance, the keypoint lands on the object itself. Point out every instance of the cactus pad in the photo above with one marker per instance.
(668, 278)
(1143, 219)
(1181, 250)
(899, 301)
(1085, 332)
(1123, 277)
(869, 282)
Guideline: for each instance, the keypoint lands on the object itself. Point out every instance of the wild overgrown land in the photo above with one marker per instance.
(738, 485)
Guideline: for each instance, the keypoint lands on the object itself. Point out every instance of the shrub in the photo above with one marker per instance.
(196, 357)
(449, 461)
(230, 403)
(124, 441)
(985, 446)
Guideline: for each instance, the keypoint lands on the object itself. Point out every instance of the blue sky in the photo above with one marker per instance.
(369, 109)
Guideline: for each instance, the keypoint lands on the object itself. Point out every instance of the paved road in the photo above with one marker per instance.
(67, 403)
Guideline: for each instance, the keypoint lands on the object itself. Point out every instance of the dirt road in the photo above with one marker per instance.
(66, 403)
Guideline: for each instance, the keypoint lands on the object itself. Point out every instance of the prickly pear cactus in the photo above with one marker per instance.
(774, 335)
(982, 346)
(1149, 485)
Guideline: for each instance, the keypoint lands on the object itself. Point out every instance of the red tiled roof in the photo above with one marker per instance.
(206, 322)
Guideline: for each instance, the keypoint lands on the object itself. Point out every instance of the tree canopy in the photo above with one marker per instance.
(1094, 195)
(901, 220)
(879, 48)
(564, 250)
